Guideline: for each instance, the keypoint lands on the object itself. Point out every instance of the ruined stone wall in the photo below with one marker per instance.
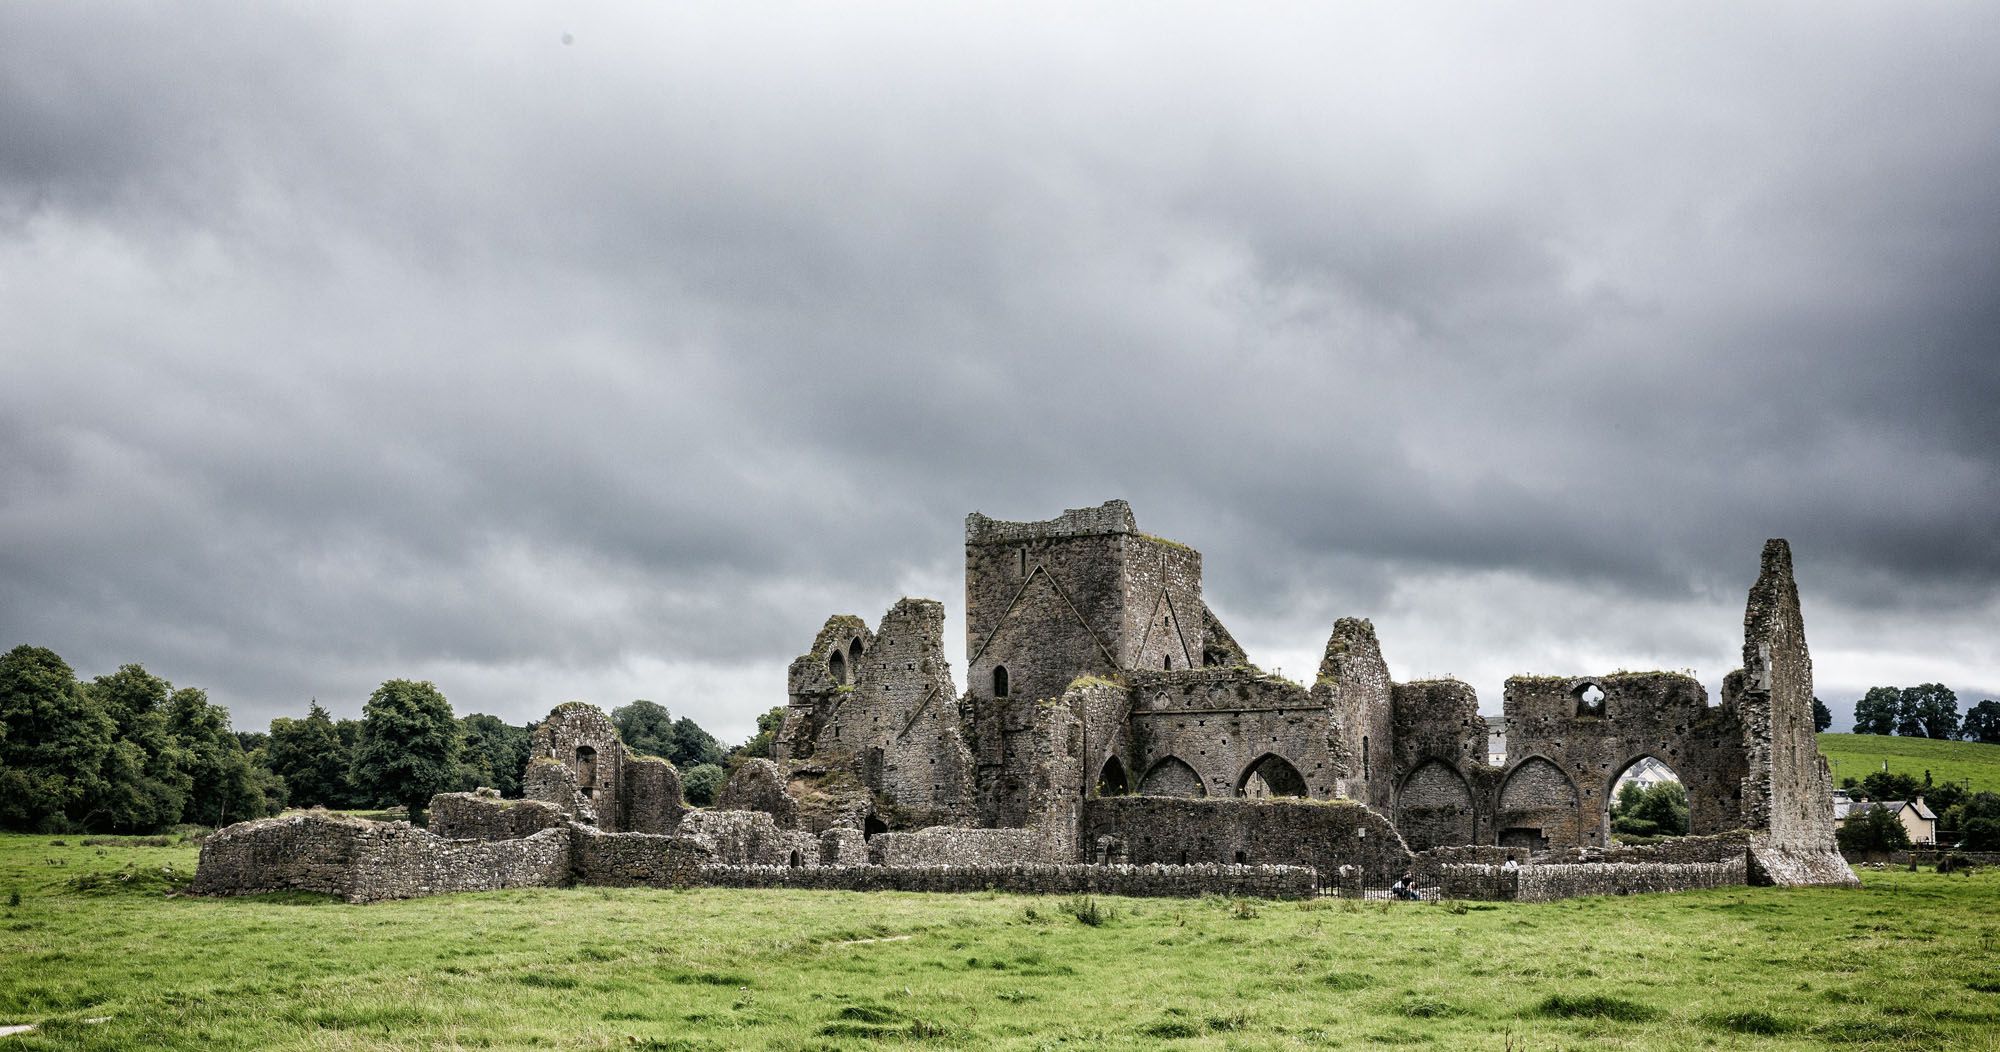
(1565, 755)
(1324, 836)
(1162, 611)
(1219, 722)
(635, 859)
(952, 846)
(1547, 883)
(1219, 648)
(1353, 683)
(1787, 791)
(1273, 882)
(553, 782)
(748, 838)
(362, 861)
(476, 816)
(759, 785)
(582, 738)
(817, 682)
(1439, 740)
(652, 796)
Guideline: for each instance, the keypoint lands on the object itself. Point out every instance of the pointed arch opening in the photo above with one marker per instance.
(836, 666)
(1644, 800)
(1271, 775)
(1171, 776)
(1111, 781)
(1538, 807)
(1434, 807)
(854, 657)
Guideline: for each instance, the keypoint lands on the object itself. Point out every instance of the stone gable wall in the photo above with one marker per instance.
(1219, 721)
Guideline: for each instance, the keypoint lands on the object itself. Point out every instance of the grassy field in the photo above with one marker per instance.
(1911, 961)
(1858, 755)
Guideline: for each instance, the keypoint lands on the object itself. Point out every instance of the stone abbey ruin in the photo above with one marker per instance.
(1113, 737)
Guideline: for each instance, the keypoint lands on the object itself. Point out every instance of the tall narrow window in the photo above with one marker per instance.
(1364, 758)
(1167, 662)
(999, 681)
(1024, 562)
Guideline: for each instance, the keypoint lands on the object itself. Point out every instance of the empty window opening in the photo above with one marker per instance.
(1024, 562)
(1111, 781)
(1167, 661)
(1242, 858)
(586, 767)
(854, 657)
(1589, 700)
(1184, 858)
(999, 681)
(1364, 757)
(797, 860)
(871, 826)
(1271, 775)
(836, 666)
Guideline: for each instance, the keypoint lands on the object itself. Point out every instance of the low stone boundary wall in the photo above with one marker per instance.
(634, 859)
(1925, 857)
(1322, 834)
(1152, 881)
(956, 846)
(1567, 881)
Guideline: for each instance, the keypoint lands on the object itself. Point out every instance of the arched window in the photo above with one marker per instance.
(836, 666)
(1589, 700)
(797, 860)
(1111, 781)
(1167, 662)
(1271, 775)
(999, 681)
(586, 767)
(854, 657)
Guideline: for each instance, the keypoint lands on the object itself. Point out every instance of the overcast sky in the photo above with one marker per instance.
(601, 354)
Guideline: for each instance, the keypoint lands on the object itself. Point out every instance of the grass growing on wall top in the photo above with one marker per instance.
(1859, 755)
(1906, 962)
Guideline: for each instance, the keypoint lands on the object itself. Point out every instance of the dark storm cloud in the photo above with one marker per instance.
(348, 344)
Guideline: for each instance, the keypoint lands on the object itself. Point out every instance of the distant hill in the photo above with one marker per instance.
(1855, 755)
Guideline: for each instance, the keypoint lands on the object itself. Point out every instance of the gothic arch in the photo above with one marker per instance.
(1434, 807)
(1538, 806)
(1111, 780)
(1171, 776)
(1271, 775)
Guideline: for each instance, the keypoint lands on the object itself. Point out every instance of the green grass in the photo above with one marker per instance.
(1859, 755)
(1907, 962)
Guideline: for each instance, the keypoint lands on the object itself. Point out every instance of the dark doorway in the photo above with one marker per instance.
(1112, 781)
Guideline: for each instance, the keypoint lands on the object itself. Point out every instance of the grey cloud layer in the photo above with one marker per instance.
(347, 344)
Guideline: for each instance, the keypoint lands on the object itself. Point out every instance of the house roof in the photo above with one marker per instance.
(1843, 809)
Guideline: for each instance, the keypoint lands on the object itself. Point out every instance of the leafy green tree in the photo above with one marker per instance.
(227, 786)
(1872, 829)
(646, 728)
(1929, 710)
(1982, 723)
(146, 778)
(1659, 811)
(1978, 821)
(494, 755)
(694, 747)
(1890, 785)
(1822, 716)
(409, 745)
(759, 745)
(54, 741)
(703, 783)
(310, 756)
(1878, 711)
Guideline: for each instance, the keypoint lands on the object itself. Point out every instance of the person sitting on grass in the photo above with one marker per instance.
(1404, 888)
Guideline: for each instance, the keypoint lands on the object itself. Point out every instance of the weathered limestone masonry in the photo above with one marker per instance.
(578, 764)
(485, 816)
(1322, 836)
(363, 861)
(1109, 718)
(1787, 798)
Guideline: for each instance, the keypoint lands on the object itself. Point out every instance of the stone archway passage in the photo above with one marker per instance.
(1271, 775)
(1646, 799)
(1539, 797)
(1171, 776)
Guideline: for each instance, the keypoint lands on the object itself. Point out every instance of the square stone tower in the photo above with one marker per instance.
(1083, 594)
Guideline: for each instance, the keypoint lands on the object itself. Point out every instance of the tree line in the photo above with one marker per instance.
(1927, 710)
(128, 752)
